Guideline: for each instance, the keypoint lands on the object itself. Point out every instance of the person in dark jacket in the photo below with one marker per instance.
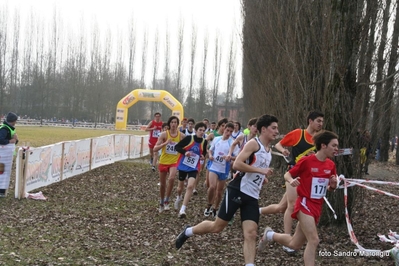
(8, 136)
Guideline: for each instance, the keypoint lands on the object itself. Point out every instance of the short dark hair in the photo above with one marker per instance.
(171, 118)
(191, 120)
(165, 125)
(312, 115)
(198, 125)
(157, 113)
(230, 125)
(252, 121)
(213, 123)
(265, 121)
(222, 121)
(205, 119)
(323, 137)
(238, 123)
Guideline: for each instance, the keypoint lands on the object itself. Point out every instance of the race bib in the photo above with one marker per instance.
(156, 133)
(170, 148)
(191, 161)
(319, 187)
(219, 160)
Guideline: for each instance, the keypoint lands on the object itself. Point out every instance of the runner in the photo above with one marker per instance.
(193, 150)
(167, 163)
(208, 126)
(242, 139)
(183, 126)
(237, 130)
(154, 127)
(302, 144)
(190, 127)
(219, 168)
(218, 131)
(243, 192)
(315, 175)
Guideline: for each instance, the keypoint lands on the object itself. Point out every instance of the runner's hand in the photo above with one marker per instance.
(295, 182)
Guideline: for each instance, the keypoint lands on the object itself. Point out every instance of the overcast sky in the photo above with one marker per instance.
(211, 17)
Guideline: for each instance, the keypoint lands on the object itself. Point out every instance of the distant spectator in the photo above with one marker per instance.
(8, 140)
(365, 150)
(377, 156)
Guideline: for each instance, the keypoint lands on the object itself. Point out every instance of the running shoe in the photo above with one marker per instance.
(289, 250)
(153, 168)
(195, 192)
(182, 215)
(263, 241)
(214, 213)
(208, 211)
(166, 206)
(177, 203)
(181, 238)
(161, 208)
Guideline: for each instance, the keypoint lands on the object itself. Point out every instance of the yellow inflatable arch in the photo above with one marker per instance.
(148, 96)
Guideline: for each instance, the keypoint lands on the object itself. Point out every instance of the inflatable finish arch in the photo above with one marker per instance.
(148, 96)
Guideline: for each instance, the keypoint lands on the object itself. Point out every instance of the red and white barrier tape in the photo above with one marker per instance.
(393, 251)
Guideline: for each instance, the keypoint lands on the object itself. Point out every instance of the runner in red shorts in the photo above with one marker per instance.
(315, 175)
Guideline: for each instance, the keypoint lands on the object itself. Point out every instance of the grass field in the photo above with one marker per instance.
(41, 136)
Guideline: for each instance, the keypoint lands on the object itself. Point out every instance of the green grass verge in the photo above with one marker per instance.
(41, 136)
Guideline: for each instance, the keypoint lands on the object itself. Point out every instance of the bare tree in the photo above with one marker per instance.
(231, 75)
(166, 74)
(388, 93)
(155, 65)
(3, 56)
(216, 76)
(190, 97)
(178, 93)
(201, 107)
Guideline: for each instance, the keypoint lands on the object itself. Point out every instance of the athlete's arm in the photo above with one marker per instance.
(240, 165)
(294, 182)
(149, 128)
(162, 141)
(237, 141)
(183, 143)
(281, 149)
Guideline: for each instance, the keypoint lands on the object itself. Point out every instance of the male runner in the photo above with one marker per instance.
(315, 174)
(302, 145)
(243, 192)
(154, 127)
(193, 150)
(167, 163)
(219, 168)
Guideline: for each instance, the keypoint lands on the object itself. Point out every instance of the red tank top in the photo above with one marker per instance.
(154, 134)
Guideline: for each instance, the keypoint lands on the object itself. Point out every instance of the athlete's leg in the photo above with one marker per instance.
(171, 180)
(219, 193)
(162, 187)
(250, 230)
(291, 198)
(275, 208)
(213, 178)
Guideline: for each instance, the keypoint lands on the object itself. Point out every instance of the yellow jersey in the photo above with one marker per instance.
(169, 155)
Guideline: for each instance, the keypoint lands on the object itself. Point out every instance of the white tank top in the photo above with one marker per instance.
(220, 149)
(251, 183)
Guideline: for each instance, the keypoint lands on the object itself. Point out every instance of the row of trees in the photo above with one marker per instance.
(49, 73)
(337, 56)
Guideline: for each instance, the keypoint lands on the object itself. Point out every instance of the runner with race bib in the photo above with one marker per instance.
(192, 150)
(315, 174)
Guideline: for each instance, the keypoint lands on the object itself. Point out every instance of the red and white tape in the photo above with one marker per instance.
(352, 235)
